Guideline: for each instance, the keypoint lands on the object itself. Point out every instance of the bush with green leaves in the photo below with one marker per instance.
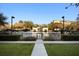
(29, 39)
(70, 37)
(48, 38)
(9, 37)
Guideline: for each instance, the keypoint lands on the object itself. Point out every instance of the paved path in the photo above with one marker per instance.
(62, 42)
(39, 49)
(48, 42)
(17, 41)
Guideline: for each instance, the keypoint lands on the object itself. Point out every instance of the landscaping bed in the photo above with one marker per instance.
(16, 38)
(29, 39)
(51, 39)
(9, 37)
(48, 39)
(70, 37)
(62, 49)
(18, 49)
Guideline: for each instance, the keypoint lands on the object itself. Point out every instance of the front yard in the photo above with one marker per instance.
(18, 49)
(62, 49)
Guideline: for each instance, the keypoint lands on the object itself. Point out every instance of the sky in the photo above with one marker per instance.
(38, 13)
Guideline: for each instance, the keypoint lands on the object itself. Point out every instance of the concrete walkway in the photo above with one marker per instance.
(39, 49)
(17, 41)
(47, 42)
(61, 42)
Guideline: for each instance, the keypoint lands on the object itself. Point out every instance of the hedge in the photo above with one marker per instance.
(70, 37)
(29, 39)
(9, 37)
(48, 39)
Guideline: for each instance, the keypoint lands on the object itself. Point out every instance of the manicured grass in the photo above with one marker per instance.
(62, 49)
(18, 49)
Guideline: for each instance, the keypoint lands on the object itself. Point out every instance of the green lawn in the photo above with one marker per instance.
(12, 49)
(62, 49)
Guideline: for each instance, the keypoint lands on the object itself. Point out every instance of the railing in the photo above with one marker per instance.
(42, 35)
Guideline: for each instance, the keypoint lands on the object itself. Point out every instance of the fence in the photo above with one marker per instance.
(42, 35)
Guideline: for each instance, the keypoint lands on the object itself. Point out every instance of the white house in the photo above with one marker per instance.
(45, 29)
(35, 29)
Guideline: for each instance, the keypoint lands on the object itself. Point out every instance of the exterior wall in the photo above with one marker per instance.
(35, 29)
(57, 21)
(1, 27)
(6, 26)
(45, 29)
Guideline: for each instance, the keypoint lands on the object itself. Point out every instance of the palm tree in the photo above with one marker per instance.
(2, 19)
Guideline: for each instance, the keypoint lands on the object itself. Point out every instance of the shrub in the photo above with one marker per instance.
(70, 37)
(48, 39)
(9, 37)
(29, 39)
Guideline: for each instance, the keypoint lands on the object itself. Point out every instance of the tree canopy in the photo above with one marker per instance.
(76, 5)
(28, 24)
(2, 19)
